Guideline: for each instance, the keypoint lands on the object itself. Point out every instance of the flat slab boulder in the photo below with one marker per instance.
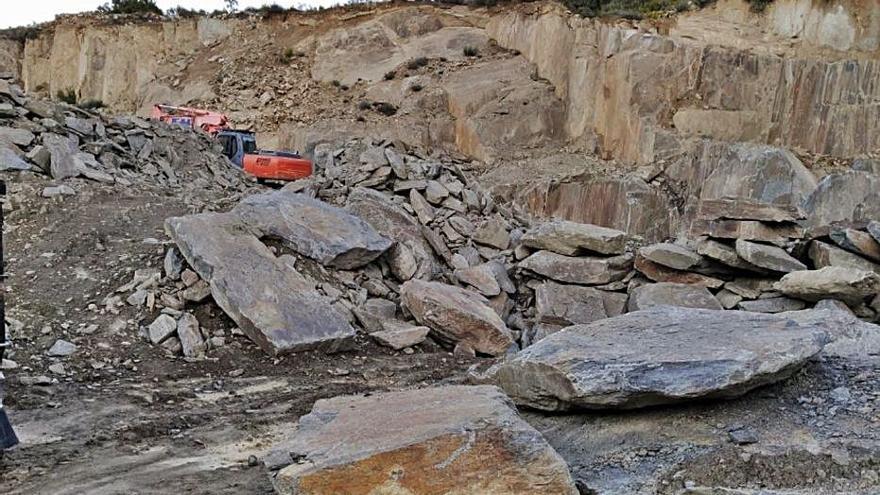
(768, 257)
(831, 282)
(671, 255)
(564, 305)
(445, 440)
(457, 315)
(271, 302)
(587, 270)
(570, 238)
(313, 228)
(671, 294)
(658, 356)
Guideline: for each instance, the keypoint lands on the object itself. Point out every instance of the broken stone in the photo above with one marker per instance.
(581, 270)
(173, 264)
(772, 305)
(844, 197)
(769, 257)
(857, 242)
(325, 233)
(671, 255)
(162, 328)
(55, 191)
(570, 238)
(564, 305)
(18, 137)
(191, 341)
(493, 233)
(62, 151)
(747, 230)
(61, 348)
(728, 299)
(442, 438)
(198, 292)
(624, 362)
(724, 254)
(435, 193)
(424, 210)
(831, 282)
(823, 254)
(659, 273)
(374, 312)
(747, 209)
(270, 301)
(457, 315)
(669, 294)
(401, 337)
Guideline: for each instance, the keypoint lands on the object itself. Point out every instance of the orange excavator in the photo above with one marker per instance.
(239, 146)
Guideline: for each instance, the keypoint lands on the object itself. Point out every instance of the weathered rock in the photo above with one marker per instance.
(9, 159)
(660, 273)
(658, 356)
(725, 254)
(769, 257)
(325, 233)
(481, 277)
(269, 300)
(580, 270)
(823, 254)
(393, 222)
(728, 299)
(374, 312)
(401, 336)
(61, 348)
(564, 305)
(442, 439)
(750, 287)
(424, 210)
(55, 191)
(874, 230)
(671, 255)
(747, 230)
(570, 238)
(669, 294)
(457, 315)
(845, 197)
(163, 327)
(747, 209)
(772, 305)
(493, 233)
(435, 193)
(857, 242)
(18, 137)
(191, 341)
(831, 282)
(63, 152)
(173, 264)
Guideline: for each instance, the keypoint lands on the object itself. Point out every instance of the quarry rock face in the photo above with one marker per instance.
(429, 441)
(715, 354)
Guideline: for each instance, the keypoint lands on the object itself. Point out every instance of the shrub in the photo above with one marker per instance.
(287, 56)
(130, 7)
(390, 75)
(364, 105)
(417, 63)
(335, 83)
(471, 51)
(67, 96)
(385, 108)
(184, 13)
(416, 87)
(759, 5)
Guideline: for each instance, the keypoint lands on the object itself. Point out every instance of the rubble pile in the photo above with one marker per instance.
(65, 141)
(405, 246)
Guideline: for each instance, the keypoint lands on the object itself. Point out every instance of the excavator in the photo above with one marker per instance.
(238, 145)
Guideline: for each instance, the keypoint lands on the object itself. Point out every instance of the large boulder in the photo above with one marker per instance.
(768, 257)
(670, 294)
(671, 255)
(571, 238)
(457, 315)
(658, 356)
(564, 305)
(823, 254)
(831, 282)
(586, 270)
(313, 228)
(845, 197)
(444, 440)
(271, 302)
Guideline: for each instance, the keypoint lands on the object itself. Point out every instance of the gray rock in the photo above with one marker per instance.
(823, 254)
(493, 233)
(55, 191)
(857, 242)
(831, 282)
(62, 151)
(581, 270)
(435, 193)
(424, 210)
(271, 302)
(671, 294)
(564, 305)
(18, 137)
(9, 159)
(61, 348)
(457, 315)
(191, 341)
(401, 335)
(658, 356)
(725, 254)
(728, 299)
(443, 438)
(874, 230)
(570, 238)
(325, 233)
(772, 305)
(769, 257)
(163, 327)
(82, 126)
(671, 255)
(843, 198)
(173, 264)
(373, 312)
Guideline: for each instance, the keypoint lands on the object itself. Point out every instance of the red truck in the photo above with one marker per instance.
(239, 146)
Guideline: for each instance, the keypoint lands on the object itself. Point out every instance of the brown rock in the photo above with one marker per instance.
(747, 230)
(659, 273)
(457, 315)
(564, 305)
(493, 233)
(747, 209)
(570, 238)
(830, 282)
(671, 255)
(668, 294)
(857, 242)
(823, 254)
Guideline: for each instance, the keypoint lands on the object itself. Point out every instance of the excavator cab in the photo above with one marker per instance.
(236, 144)
(241, 149)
